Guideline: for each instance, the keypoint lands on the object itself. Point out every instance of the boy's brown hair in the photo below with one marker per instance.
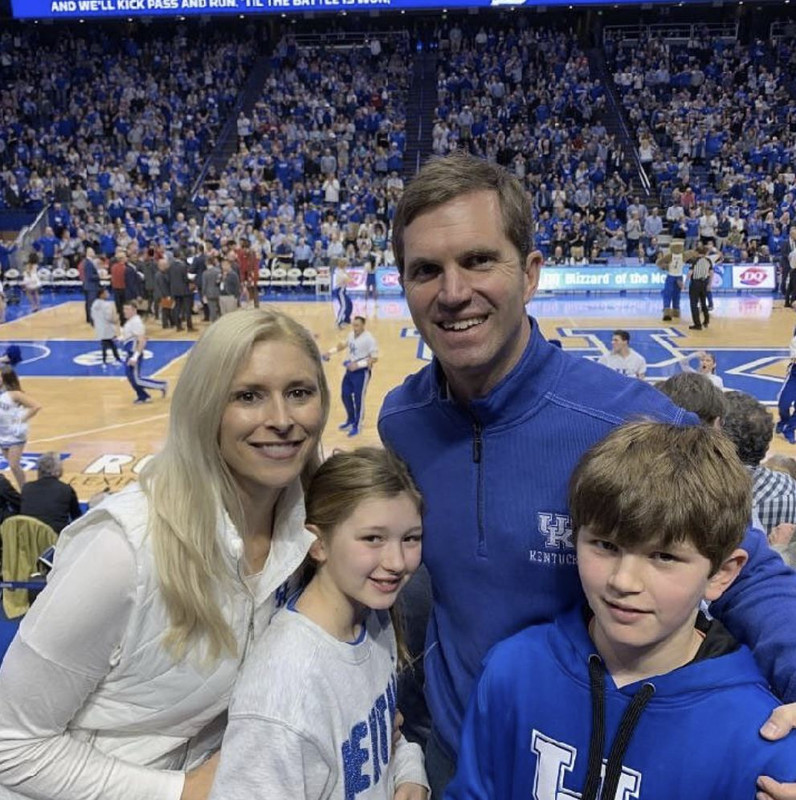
(651, 482)
(694, 392)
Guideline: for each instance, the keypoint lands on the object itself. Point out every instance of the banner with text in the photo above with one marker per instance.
(85, 9)
(595, 278)
(752, 277)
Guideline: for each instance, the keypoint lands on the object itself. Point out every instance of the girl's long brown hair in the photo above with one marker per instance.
(337, 488)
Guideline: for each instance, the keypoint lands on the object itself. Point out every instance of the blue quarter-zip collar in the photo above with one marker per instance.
(520, 392)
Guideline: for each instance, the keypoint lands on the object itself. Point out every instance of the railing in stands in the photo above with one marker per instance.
(782, 29)
(670, 32)
(345, 39)
(630, 146)
(251, 86)
(27, 236)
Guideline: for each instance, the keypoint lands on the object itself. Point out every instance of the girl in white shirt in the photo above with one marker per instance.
(16, 408)
(313, 712)
(707, 366)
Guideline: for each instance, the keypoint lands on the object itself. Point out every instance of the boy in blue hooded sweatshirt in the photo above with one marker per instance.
(640, 694)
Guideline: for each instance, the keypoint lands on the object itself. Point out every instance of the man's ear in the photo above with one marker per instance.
(317, 551)
(723, 577)
(531, 268)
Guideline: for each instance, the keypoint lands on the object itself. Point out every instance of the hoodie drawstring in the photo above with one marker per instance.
(627, 725)
(597, 742)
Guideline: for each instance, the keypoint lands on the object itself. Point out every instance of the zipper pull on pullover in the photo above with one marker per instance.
(477, 442)
(627, 725)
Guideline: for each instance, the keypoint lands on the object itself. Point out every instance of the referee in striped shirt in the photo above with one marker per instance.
(702, 261)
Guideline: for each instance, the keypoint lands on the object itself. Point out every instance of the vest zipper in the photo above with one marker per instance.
(249, 632)
(250, 626)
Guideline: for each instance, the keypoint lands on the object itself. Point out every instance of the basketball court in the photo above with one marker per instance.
(89, 418)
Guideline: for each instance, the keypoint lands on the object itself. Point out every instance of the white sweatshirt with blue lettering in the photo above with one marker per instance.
(312, 717)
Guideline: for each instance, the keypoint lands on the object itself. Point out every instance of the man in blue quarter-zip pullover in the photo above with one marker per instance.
(492, 429)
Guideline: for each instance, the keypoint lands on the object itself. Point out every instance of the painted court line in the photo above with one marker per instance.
(91, 431)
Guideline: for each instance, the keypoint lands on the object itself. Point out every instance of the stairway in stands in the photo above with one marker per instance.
(227, 142)
(617, 123)
(420, 105)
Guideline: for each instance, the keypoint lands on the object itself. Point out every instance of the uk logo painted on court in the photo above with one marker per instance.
(759, 371)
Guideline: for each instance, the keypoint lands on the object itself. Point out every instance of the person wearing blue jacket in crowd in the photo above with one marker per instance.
(47, 246)
(492, 430)
(621, 689)
(6, 251)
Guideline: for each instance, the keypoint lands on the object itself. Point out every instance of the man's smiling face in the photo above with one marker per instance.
(466, 289)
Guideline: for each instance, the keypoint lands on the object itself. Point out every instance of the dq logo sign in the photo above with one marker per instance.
(753, 276)
(391, 279)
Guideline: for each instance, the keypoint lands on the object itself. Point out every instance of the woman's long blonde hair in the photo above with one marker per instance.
(189, 485)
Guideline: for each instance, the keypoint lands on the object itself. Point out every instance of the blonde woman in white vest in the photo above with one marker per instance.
(117, 682)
